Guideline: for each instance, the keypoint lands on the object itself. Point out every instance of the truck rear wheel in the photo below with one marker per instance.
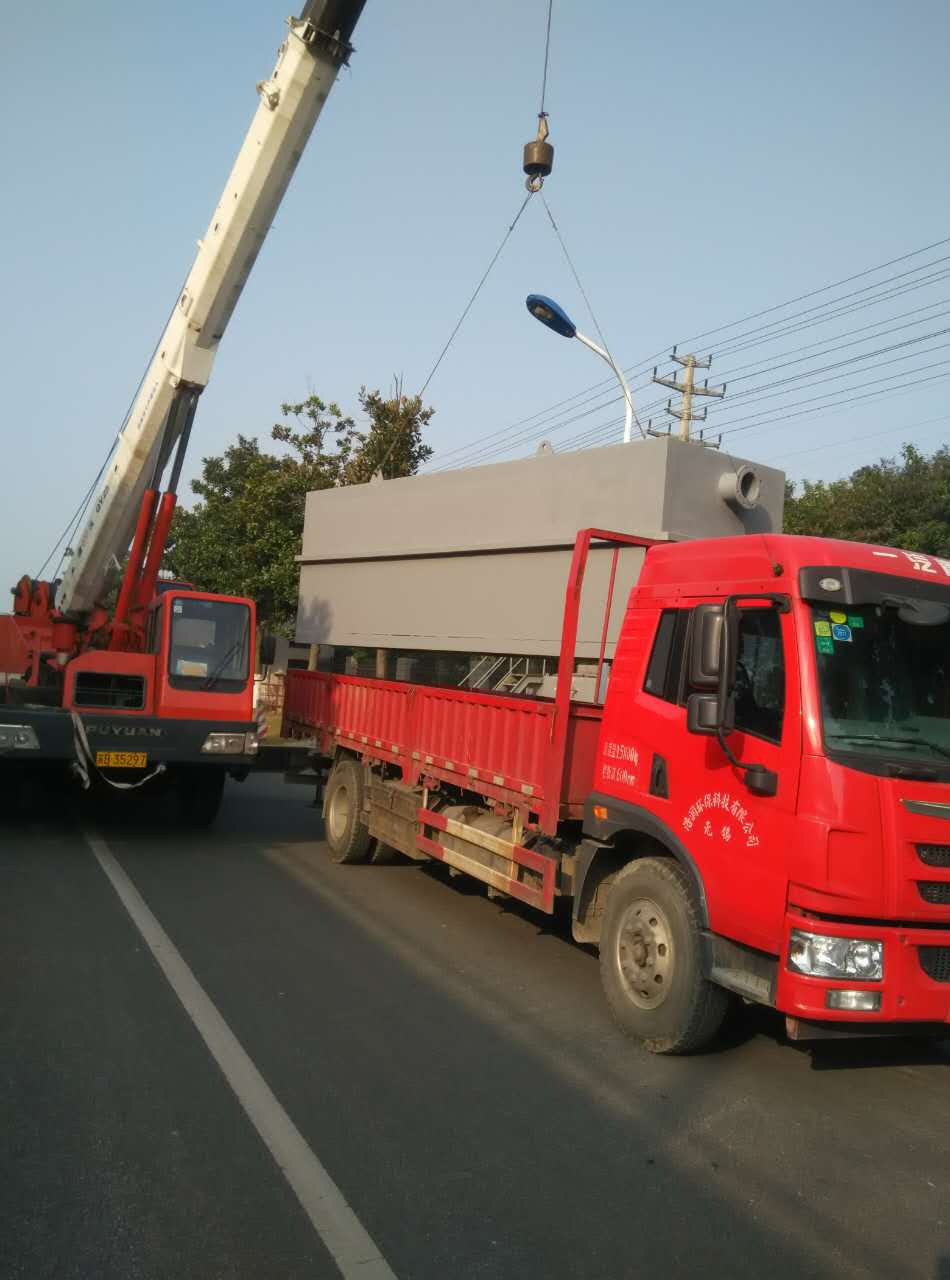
(347, 834)
(651, 960)
(200, 794)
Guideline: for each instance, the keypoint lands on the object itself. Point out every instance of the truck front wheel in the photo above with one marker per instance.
(200, 795)
(347, 834)
(651, 960)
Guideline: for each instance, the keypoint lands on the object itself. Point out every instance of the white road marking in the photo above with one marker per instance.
(341, 1231)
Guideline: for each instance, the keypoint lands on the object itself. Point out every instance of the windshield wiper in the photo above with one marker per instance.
(885, 739)
(215, 675)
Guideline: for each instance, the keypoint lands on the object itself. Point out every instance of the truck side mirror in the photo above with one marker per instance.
(702, 713)
(712, 667)
(268, 649)
(705, 649)
(715, 635)
(728, 658)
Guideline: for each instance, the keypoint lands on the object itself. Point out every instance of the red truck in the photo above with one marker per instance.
(758, 808)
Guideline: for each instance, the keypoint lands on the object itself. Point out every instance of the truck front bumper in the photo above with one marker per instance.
(915, 987)
(162, 741)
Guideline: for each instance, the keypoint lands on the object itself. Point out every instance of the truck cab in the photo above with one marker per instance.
(178, 712)
(778, 720)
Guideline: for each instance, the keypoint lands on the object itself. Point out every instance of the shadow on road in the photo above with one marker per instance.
(745, 1020)
(459, 1061)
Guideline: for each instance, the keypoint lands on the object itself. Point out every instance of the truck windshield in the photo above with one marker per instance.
(209, 646)
(884, 678)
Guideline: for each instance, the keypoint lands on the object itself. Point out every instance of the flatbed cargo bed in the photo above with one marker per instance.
(501, 746)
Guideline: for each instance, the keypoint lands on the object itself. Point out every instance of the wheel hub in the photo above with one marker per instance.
(645, 953)
(339, 814)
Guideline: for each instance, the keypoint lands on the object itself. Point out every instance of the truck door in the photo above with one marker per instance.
(741, 839)
(737, 840)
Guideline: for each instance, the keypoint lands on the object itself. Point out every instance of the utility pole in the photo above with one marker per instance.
(687, 389)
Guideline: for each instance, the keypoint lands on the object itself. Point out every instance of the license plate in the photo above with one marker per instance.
(121, 759)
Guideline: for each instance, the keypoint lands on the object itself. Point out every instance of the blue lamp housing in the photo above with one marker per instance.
(549, 313)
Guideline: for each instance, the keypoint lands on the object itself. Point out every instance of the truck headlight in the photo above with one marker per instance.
(18, 737)
(224, 744)
(820, 955)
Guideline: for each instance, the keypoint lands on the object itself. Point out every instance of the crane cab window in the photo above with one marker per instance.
(209, 644)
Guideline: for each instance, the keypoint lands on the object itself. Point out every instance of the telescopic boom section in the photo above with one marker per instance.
(160, 418)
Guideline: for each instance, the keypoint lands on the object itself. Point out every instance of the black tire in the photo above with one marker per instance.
(200, 796)
(382, 855)
(651, 960)
(347, 835)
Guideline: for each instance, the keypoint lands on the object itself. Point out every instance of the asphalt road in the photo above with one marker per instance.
(447, 1059)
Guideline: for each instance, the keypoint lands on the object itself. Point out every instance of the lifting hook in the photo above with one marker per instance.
(538, 156)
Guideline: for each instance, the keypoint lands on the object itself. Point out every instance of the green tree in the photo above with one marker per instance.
(393, 445)
(898, 502)
(242, 535)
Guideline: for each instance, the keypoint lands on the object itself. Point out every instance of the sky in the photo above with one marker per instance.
(711, 162)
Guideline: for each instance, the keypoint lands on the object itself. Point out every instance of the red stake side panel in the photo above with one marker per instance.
(495, 745)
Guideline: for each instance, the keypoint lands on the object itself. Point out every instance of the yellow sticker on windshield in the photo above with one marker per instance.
(838, 617)
(822, 628)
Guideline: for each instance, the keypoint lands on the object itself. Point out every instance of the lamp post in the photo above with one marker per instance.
(555, 317)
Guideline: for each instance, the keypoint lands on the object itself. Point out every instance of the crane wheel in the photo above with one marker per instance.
(199, 796)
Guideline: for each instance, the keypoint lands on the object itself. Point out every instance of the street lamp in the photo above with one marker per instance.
(555, 317)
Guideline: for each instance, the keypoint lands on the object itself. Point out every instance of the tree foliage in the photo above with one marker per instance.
(242, 535)
(898, 502)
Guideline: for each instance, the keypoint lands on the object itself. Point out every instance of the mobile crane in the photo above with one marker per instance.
(160, 684)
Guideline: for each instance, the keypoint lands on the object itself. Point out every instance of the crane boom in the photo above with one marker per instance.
(160, 419)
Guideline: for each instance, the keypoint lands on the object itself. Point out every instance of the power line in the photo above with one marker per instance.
(583, 441)
(737, 374)
(818, 412)
(884, 296)
(739, 341)
(69, 533)
(751, 395)
(729, 373)
(699, 337)
(552, 424)
(754, 392)
(875, 435)
(74, 518)
(733, 324)
(845, 391)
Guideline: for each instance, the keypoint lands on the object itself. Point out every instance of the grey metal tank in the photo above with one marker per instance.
(476, 560)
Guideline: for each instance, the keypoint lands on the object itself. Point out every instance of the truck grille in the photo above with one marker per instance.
(935, 962)
(935, 891)
(935, 855)
(108, 689)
